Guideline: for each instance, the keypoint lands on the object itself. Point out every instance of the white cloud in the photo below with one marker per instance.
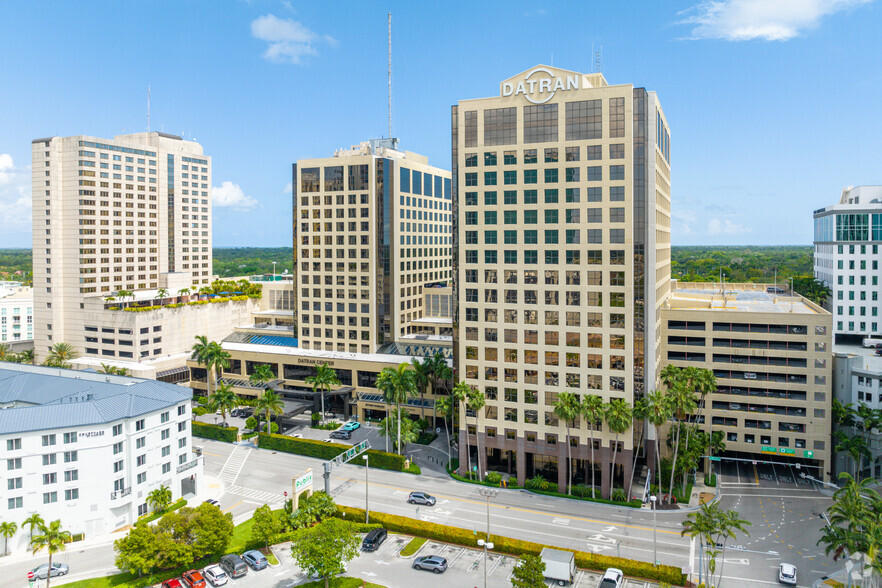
(15, 200)
(288, 188)
(231, 195)
(768, 20)
(289, 41)
(725, 227)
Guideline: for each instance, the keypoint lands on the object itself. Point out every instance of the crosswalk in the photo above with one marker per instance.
(259, 496)
(234, 464)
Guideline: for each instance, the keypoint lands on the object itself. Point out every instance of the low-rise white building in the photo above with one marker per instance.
(16, 312)
(88, 448)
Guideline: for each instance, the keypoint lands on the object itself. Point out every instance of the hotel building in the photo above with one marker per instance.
(16, 313)
(848, 236)
(772, 360)
(128, 214)
(88, 448)
(561, 199)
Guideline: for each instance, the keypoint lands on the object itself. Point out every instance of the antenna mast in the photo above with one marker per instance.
(390, 74)
(598, 60)
(148, 108)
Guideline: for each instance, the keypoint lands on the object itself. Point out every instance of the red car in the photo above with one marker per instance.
(193, 579)
(173, 583)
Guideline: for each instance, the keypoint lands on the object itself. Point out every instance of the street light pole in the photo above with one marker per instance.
(654, 544)
(487, 493)
(367, 508)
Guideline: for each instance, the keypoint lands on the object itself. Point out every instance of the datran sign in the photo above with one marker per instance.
(540, 84)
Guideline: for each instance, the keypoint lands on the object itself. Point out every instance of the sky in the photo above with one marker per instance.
(773, 105)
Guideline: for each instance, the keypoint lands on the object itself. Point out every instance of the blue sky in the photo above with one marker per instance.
(773, 106)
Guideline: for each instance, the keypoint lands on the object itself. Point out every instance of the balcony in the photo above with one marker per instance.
(118, 494)
(188, 465)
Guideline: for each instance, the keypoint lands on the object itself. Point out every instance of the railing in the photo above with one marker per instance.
(120, 493)
(187, 466)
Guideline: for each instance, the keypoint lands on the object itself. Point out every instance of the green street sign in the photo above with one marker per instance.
(807, 453)
(787, 451)
(714, 459)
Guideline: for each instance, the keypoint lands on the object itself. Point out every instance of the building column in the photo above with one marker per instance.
(627, 465)
(521, 458)
(604, 459)
(482, 455)
(463, 452)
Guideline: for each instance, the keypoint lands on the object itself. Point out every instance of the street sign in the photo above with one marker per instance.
(30, 575)
(807, 453)
(714, 458)
(303, 481)
(286, 494)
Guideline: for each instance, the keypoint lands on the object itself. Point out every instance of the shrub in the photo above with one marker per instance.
(537, 482)
(582, 490)
(174, 305)
(514, 547)
(413, 546)
(207, 431)
(323, 450)
(619, 495)
(274, 428)
(158, 513)
(202, 399)
(113, 308)
(316, 417)
(141, 308)
(197, 302)
(199, 410)
(216, 300)
(251, 422)
(710, 480)
(240, 297)
(493, 477)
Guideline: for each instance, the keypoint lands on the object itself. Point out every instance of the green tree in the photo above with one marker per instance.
(269, 404)
(403, 430)
(212, 355)
(618, 415)
(475, 403)
(162, 294)
(33, 521)
(160, 498)
(325, 548)
(809, 287)
(714, 527)
(444, 407)
(658, 412)
(7, 529)
(681, 400)
(421, 371)
(5, 353)
(322, 381)
(53, 538)
(567, 409)
(266, 524)
(592, 410)
(136, 552)
(261, 375)
(641, 412)
(529, 573)
(397, 386)
(223, 399)
(312, 509)
(854, 446)
(60, 354)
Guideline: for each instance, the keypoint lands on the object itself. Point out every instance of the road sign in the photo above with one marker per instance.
(286, 494)
(30, 575)
(714, 458)
(807, 453)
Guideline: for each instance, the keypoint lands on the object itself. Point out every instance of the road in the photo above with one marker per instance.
(783, 514)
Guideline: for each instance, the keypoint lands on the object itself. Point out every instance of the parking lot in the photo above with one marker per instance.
(764, 475)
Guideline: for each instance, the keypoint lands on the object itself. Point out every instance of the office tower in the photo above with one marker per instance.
(371, 233)
(770, 354)
(561, 263)
(847, 257)
(120, 223)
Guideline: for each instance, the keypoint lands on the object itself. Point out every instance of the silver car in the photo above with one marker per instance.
(787, 574)
(215, 575)
(421, 498)
(433, 563)
(42, 571)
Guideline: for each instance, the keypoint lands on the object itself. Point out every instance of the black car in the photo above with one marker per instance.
(341, 434)
(246, 412)
(421, 498)
(374, 539)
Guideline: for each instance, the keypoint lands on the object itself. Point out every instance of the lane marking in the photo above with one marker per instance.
(234, 506)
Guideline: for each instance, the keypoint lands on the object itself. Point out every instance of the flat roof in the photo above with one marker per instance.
(870, 362)
(41, 398)
(738, 301)
(317, 354)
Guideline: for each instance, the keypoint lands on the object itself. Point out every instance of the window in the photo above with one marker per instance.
(117, 448)
(14, 503)
(48, 440)
(594, 173)
(13, 444)
(50, 478)
(49, 459)
(72, 494)
(70, 456)
(139, 425)
(584, 120)
(117, 430)
(13, 483)
(540, 123)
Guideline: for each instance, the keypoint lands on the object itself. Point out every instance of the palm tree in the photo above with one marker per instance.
(567, 409)
(476, 402)
(60, 354)
(162, 293)
(160, 498)
(261, 374)
(421, 371)
(397, 385)
(123, 294)
(440, 375)
(682, 403)
(658, 412)
(4, 352)
(269, 403)
(7, 529)
(184, 292)
(592, 409)
(461, 393)
(706, 383)
(212, 355)
(53, 539)
(714, 527)
(444, 407)
(35, 520)
(869, 419)
(26, 356)
(321, 381)
(640, 413)
(116, 371)
(618, 416)
(223, 399)
(855, 446)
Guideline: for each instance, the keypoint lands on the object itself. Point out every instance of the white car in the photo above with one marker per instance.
(215, 575)
(787, 574)
(612, 578)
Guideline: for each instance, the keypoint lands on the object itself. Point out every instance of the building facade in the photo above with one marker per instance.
(848, 236)
(16, 313)
(128, 214)
(371, 231)
(561, 199)
(772, 360)
(88, 448)
(857, 380)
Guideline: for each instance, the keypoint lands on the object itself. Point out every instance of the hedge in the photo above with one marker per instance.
(158, 513)
(208, 431)
(324, 450)
(515, 547)
(141, 308)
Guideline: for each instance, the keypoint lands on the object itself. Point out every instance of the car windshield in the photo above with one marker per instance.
(608, 584)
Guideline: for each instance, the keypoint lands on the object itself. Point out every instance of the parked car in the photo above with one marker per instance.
(212, 502)
(341, 434)
(374, 539)
(173, 583)
(787, 574)
(215, 575)
(193, 579)
(351, 426)
(42, 570)
(421, 498)
(612, 578)
(246, 412)
(255, 559)
(433, 563)
(233, 565)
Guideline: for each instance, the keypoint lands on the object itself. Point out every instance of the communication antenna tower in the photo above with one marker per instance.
(389, 17)
(148, 108)
(598, 59)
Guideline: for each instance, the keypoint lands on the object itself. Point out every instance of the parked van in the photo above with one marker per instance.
(373, 539)
(872, 342)
(233, 565)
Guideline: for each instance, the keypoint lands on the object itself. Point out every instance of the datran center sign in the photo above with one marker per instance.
(539, 85)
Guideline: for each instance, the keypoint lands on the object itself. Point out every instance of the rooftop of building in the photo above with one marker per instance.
(856, 196)
(747, 298)
(35, 398)
(870, 362)
(16, 293)
(392, 353)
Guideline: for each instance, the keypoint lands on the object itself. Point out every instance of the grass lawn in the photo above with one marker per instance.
(413, 546)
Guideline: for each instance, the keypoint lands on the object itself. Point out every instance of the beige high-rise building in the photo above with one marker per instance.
(771, 355)
(130, 214)
(372, 232)
(561, 263)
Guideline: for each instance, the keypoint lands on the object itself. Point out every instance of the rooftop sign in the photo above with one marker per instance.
(539, 85)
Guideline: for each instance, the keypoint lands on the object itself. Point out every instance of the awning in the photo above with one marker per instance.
(172, 372)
